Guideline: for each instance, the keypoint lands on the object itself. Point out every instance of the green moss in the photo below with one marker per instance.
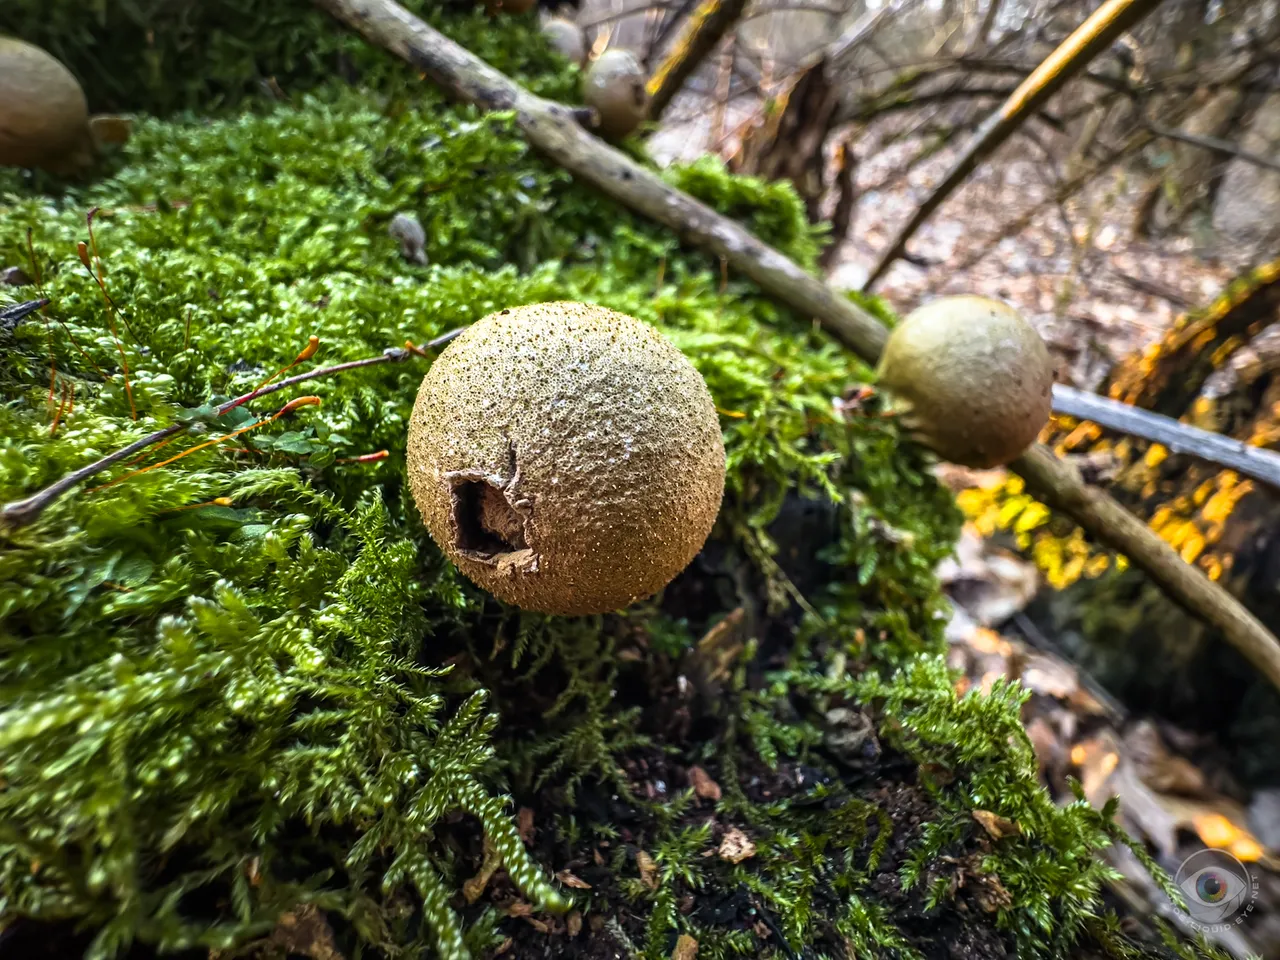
(163, 56)
(216, 712)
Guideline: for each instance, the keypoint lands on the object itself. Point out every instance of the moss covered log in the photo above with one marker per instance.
(248, 706)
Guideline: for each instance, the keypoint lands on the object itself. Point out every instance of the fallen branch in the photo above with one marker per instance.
(1179, 437)
(1059, 485)
(1102, 27)
(9, 316)
(710, 21)
(19, 513)
(549, 127)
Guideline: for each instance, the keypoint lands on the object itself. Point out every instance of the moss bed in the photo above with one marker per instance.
(249, 710)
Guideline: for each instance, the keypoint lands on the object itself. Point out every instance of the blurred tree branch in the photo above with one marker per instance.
(1094, 35)
(1217, 145)
(707, 26)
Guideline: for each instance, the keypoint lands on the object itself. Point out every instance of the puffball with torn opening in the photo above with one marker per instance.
(566, 457)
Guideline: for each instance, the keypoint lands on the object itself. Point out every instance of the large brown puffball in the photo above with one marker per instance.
(44, 117)
(972, 378)
(614, 86)
(566, 457)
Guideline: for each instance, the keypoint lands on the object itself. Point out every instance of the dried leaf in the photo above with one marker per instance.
(736, 846)
(1160, 768)
(1218, 820)
(1049, 677)
(571, 880)
(703, 785)
(474, 888)
(710, 663)
(524, 824)
(305, 931)
(990, 583)
(1174, 774)
(1044, 740)
(997, 826)
(686, 948)
(573, 923)
(990, 892)
(648, 869)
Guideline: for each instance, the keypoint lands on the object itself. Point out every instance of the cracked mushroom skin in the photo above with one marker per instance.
(44, 117)
(567, 458)
(971, 378)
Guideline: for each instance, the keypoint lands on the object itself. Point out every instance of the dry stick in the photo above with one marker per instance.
(9, 316)
(706, 28)
(550, 127)
(1179, 437)
(1059, 485)
(19, 513)
(1073, 55)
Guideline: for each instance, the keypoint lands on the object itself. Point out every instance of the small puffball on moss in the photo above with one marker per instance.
(615, 87)
(407, 229)
(566, 38)
(972, 378)
(566, 457)
(44, 117)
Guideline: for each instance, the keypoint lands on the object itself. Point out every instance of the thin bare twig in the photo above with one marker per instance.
(1151, 288)
(551, 129)
(19, 513)
(1216, 145)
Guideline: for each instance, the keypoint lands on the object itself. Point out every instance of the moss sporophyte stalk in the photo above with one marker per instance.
(245, 694)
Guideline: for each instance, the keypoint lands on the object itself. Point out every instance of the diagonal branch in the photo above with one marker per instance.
(706, 28)
(1073, 55)
(550, 128)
